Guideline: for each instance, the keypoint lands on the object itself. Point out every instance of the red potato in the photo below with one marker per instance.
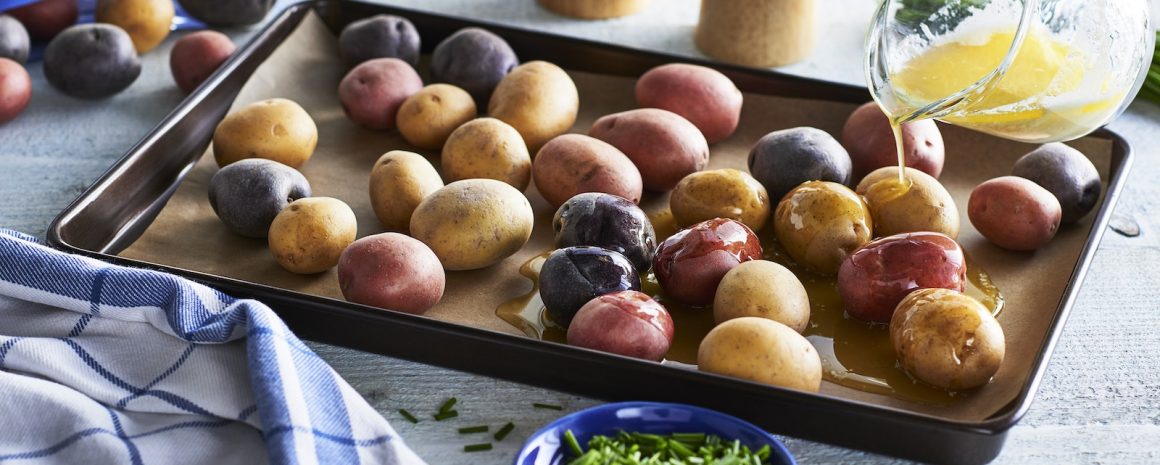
(391, 271)
(876, 277)
(690, 264)
(870, 141)
(15, 90)
(45, 19)
(628, 323)
(573, 164)
(704, 96)
(196, 56)
(664, 146)
(373, 91)
(1014, 213)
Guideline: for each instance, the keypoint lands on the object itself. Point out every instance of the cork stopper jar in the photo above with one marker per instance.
(595, 9)
(761, 33)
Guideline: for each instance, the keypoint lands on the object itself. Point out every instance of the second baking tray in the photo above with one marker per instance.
(119, 210)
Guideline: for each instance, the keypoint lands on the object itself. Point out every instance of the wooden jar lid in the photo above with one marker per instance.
(760, 33)
(595, 9)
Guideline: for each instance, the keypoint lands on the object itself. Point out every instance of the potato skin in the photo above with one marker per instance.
(690, 264)
(877, 276)
(538, 99)
(373, 91)
(146, 21)
(380, 36)
(628, 323)
(473, 223)
(427, 118)
(487, 148)
(704, 96)
(91, 61)
(399, 182)
(724, 193)
(821, 223)
(947, 339)
(14, 40)
(196, 56)
(15, 90)
(227, 12)
(474, 59)
(391, 271)
(574, 164)
(664, 146)
(1014, 213)
(786, 158)
(869, 139)
(46, 18)
(1067, 174)
(923, 206)
(309, 235)
(763, 289)
(761, 350)
(276, 129)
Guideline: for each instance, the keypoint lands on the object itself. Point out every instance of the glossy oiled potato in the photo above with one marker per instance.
(762, 289)
(869, 139)
(538, 99)
(575, 164)
(947, 339)
(762, 350)
(821, 223)
(147, 21)
(662, 144)
(876, 277)
(628, 323)
(399, 183)
(309, 235)
(920, 204)
(1014, 213)
(724, 193)
(490, 149)
(275, 129)
(427, 118)
(473, 223)
(690, 264)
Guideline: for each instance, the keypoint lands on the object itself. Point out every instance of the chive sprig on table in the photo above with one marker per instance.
(653, 449)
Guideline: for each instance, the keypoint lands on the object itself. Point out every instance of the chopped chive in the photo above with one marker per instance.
(408, 416)
(445, 415)
(503, 432)
(473, 429)
(572, 443)
(477, 447)
(448, 405)
(547, 406)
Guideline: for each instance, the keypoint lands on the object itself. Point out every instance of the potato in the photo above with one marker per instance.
(399, 182)
(821, 223)
(14, 41)
(724, 193)
(487, 148)
(473, 223)
(391, 271)
(947, 339)
(427, 118)
(761, 350)
(628, 323)
(1014, 213)
(1067, 174)
(147, 21)
(380, 36)
(924, 205)
(869, 139)
(276, 129)
(15, 90)
(475, 60)
(227, 12)
(46, 18)
(702, 95)
(784, 159)
(876, 277)
(538, 99)
(574, 164)
(690, 264)
(664, 146)
(373, 91)
(196, 56)
(309, 235)
(249, 194)
(91, 61)
(762, 289)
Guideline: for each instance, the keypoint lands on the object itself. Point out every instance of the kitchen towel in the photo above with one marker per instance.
(106, 364)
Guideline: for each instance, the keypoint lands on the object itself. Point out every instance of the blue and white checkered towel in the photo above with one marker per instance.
(105, 364)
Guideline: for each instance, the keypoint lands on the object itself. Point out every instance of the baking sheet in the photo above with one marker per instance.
(306, 68)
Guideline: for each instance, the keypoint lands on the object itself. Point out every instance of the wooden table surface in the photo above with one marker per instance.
(1099, 403)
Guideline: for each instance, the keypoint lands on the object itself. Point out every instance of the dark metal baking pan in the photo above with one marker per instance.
(117, 209)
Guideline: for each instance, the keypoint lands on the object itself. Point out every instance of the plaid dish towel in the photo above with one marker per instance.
(104, 364)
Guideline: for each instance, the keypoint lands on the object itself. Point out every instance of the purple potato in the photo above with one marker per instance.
(628, 323)
(782, 160)
(474, 60)
(573, 276)
(248, 194)
(228, 12)
(381, 36)
(13, 39)
(91, 61)
(609, 222)
(1067, 174)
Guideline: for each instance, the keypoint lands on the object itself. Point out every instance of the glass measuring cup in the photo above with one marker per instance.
(1029, 70)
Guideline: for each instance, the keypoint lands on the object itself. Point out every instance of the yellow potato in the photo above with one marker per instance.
(399, 182)
(724, 193)
(473, 223)
(538, 99)
(947, 339)
(309, 235)
(276, 129)
(921, 204)
(487, 148)
(147, 21)
(762, 289)
(427, 118)
(820, 223)
(761, 350)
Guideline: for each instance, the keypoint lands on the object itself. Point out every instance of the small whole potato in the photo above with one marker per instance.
(1067, 174)
(249, 194)
(309, 235)
(473, 223)
(821, 223)
(15, 90)
(427, 118)
(487, 148)
(380, 36)
(702, 95)
(538, 99)
(1014, 213)
(869, 139)
(147, 21)
(276, 129)
(664, 146)
(724, 193)
(607, 221)
(920, 204)
(761, 350)
(373, 91)
(784, 159)
(628, 323)
(764, 289)
(572, 276)
(46, 18)
(14, 41)
(947, 339)
(196, 56)
(574, 164)
(399, 183)
(391, 271)
(228, 12)
(877, 276)
(690, 264)
(91, 61)
(475, 60)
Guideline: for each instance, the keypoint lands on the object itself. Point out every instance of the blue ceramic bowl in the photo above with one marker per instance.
(545, 447)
